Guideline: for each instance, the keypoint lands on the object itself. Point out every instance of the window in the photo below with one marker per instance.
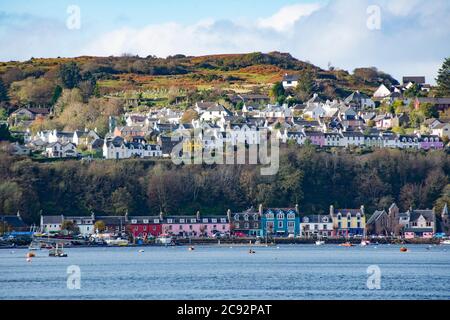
(269, 216)
(280, 224)
(349, 224)
(325, 227)
(316, 227)
(223, 220)
(193, 220)
(214, 220)
(246, 225)
(134, 221)
(291, 216)
(236, 225)
(280, 216)
(169, 220)
(182, 221)
(246, 217)
(156, 221)
(180, 227)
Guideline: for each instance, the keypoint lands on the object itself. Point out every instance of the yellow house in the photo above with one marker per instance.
(190, 146)
(348, 222)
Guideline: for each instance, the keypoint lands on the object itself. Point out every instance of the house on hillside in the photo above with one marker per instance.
(360, 101)
(61, 150)
(13, 223)
(290, 81)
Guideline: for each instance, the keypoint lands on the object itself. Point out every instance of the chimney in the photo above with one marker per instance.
(92, 215)
(229, 215)
(198, 215)
(362, 210)
(161, 215)
(296, 209)
(18, 214)
(260, 210)
(331, 210)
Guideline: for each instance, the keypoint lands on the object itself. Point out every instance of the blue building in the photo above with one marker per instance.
(280, 222)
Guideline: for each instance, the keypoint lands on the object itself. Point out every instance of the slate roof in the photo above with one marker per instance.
(13, 221)
(375, 216)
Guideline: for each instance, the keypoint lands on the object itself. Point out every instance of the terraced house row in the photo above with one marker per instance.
(267, 222)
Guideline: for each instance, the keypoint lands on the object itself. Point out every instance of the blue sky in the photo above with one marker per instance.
(413, 38)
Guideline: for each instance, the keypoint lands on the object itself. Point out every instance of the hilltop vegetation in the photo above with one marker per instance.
(38, 81)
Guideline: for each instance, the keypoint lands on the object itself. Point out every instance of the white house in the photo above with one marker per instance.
(215, 113)
(84, 224)
(382, 92)
(316, 226)
(290, 81)
(360, 100)
(441, 130)
(51, 224)
(61, 150)
(117, 148)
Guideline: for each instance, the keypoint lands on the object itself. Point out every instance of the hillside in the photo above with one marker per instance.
(34, 81)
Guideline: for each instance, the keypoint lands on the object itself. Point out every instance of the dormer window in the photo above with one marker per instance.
(291, 216)
(246, 217)
(280, 216)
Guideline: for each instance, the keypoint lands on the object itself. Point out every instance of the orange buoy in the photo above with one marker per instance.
(31, 255)
(403, 249)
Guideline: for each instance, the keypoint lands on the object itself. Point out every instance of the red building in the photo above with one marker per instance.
(144, 227)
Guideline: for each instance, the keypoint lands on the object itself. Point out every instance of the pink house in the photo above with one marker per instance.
(316, 138)
(195, 226)
(431, 142)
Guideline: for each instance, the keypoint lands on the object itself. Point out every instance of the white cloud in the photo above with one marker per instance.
(287, 16)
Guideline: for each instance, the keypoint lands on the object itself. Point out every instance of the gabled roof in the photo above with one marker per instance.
(291, 77)
(376, 216)
(52, 219)
(13, 221)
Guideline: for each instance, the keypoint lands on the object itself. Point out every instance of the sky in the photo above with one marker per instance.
(400, 37)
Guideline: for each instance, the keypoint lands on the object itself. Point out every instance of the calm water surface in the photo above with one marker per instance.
(288, 272)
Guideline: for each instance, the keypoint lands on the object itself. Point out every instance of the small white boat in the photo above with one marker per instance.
(164, 240)
(117, 242)
(445, 242)
(34, 246)
(320, 243)
(365, 243)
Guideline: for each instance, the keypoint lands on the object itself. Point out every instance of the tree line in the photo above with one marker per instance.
(311, 178)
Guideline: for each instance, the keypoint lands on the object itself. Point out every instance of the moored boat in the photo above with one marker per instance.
(117, 242)
(320, 243)
(347, 244)
(164, 240)
(403, 249)
(445, 242)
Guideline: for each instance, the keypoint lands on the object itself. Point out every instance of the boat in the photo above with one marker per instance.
(403, 249)
(31, 255)
(347, 244)
(164, 240)
(365, 243)
(191, 249)
(320, 243)
(117, 242)
(445, 242)
(251, 251)
(34, 246)
(57, 252)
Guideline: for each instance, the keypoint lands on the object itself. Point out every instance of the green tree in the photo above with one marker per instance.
(429, 110)
(5, 135)
(70, 227)
(443, 79)
(70, 75)
(56, 94)
(3, 114)
(99, 226)
(413, 91)
(121, 201)
(277, 91)
(3, 92)
(306, 86)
